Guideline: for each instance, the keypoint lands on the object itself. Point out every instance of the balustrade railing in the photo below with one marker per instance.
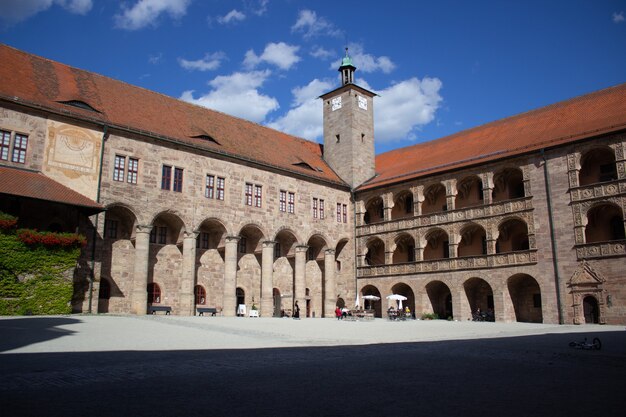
(517, 258)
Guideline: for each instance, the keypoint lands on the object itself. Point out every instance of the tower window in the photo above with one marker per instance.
(338, 138)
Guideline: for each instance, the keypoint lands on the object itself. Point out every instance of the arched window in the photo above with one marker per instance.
(154, 293)
(605, 222)
(597, 165)
(199, 294)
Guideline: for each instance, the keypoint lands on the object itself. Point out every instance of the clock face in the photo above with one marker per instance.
(363, 103)
(335, 103)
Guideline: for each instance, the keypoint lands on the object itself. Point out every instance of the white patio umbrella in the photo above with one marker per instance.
(397, 297)
(371, 298)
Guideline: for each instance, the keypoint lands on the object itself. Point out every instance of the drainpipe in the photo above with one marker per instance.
(555, 262)
(356, 283)
(94, 236)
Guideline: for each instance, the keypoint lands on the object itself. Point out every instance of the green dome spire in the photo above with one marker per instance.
(346, 60)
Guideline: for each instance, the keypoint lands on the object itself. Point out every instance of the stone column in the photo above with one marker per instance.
(229, 303)
(267, 283)
(388, 257)
(188, 280)
(487, 180)
(300, 282)
(460, 306)
(330, 285)
(139, 296)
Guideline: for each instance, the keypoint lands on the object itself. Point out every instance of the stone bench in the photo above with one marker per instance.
(202, 310)
(154, 309)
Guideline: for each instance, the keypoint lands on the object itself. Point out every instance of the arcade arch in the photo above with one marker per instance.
(434, 199)
(526, 297)
(480, 296)
(440, 299)
(374, 211)
(404, 249)
(437, 245)
(512, 236)
(469, 192)
(605, 222)
(597, 165)
(473, 241)
(402, 205)
(508, 184)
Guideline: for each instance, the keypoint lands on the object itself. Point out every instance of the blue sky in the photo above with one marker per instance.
(439, 66)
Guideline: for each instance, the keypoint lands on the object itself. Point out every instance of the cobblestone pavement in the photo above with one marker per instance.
(213, 366)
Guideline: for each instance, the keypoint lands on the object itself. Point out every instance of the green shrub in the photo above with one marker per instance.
(32, 277)
(430, 316)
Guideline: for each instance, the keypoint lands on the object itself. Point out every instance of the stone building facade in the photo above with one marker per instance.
(523, 217)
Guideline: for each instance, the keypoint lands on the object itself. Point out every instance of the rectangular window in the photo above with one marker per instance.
(248, 194)
(220, 188)
(345, 213)
(315, 208)
(277, 251)
(162, 235)
(243, 245)
(19, 148)
(153, 234)
(321, 209)
(166, 177)
(5, 142)
(118, 168)
(178, 180)
(283, 201)
(209, 189)
(291, 203)
(338, 212)
(133, 170)
(258, 195)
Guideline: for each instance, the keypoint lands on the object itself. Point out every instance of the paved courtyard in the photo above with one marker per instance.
(85, 365)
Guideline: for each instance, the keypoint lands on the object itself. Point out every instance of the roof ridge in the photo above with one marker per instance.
(508, 119)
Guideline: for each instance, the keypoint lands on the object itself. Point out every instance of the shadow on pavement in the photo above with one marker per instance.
(24, 331)
(518, 376)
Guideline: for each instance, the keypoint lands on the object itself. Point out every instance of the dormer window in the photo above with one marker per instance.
(80, 104)
(206, 137)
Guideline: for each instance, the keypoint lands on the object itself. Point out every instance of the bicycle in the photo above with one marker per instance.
(584, 344)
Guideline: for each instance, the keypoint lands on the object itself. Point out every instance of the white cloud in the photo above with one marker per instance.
(404, 107)
(232, 16)
(147, 12)
(76, 6)
(312, 26)
(320, 52)
(238, 95)
(279, 54)
(15, 11)
(366, 62)
(618, 17)
(401, 109)
(208, 63)
(304, 119)
(155, 58)
(259, 7)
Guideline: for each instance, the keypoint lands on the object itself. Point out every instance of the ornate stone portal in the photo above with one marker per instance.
(586, 282)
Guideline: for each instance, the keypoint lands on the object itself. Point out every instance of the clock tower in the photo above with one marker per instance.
(349, 128)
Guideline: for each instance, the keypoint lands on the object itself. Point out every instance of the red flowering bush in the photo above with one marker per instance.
(7, 221)
(50, 239)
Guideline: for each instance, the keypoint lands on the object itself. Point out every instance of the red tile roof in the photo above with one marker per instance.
(32, 80)
(33, 184)
(587, 116)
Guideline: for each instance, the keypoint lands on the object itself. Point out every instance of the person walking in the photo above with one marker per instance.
(296, 311)
(338, 313)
